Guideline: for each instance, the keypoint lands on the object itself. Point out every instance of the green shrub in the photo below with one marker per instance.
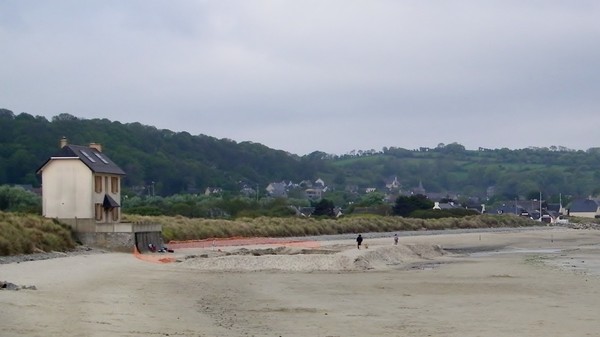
(17, 199)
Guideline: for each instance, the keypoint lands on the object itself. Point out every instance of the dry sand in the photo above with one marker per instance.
(524, 283)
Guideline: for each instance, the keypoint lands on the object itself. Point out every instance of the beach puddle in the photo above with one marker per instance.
(587, 263)
(422, 266)
(516, 251)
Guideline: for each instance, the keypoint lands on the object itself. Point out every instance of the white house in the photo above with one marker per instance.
(277, 190)
(81, 186)
(314, 193)
(393, 184)
(319, 182)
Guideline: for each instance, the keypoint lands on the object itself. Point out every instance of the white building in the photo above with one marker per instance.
(81, 184)
(81, 187)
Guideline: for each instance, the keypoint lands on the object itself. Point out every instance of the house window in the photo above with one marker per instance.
(115, 214)
(99, 211)
(114, 185)
(98, 184)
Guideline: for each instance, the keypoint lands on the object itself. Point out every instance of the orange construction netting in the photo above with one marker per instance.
(153, 257)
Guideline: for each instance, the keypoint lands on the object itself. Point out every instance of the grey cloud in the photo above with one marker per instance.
(337, 75)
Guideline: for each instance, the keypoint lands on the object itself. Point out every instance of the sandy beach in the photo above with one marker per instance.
(514, 283)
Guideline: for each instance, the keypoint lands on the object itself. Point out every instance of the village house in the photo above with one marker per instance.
(510, 207)
(419, 189)
(584, 208)
(319, 183)
(313, 193)
(81, 187)
(277, 189)
(445, 205)
(393, 184)
(213, 191)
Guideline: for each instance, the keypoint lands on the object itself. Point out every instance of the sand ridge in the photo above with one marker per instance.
(308, 260)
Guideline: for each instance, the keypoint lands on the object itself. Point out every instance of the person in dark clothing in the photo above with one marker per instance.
(359, 241)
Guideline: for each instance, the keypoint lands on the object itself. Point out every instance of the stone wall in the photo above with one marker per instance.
(122, 236)
(80, 225)
(122, 242)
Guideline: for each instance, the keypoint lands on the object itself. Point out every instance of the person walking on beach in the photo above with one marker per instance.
(395, 239)
(359, 240)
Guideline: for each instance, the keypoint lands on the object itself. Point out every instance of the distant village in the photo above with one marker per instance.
(537, 209)
(314, 191)
(106, 206)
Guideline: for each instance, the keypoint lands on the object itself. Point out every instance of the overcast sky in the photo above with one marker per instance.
(324, 75)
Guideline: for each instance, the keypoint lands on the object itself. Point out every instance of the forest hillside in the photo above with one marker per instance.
(178, 162)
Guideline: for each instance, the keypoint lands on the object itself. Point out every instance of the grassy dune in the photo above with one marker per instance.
(181, 228)
(29, 233)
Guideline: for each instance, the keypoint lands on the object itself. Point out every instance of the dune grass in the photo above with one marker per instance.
(182, 228)
(28, 233)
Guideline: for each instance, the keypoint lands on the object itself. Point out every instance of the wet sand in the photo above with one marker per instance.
(525, 283)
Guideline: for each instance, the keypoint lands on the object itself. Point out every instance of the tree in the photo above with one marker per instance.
(324, 208)
(179, 162)
(404, 205)
(16, 199)
(371, 199)
(7, 114)
(453, 148)
(64, 117)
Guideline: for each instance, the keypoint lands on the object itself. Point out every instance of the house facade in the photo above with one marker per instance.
(81, 187)
(81, 184)
(277, 190)
(314, 193)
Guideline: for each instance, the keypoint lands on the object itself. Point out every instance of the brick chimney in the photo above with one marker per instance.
(96, 146)
(63, 142)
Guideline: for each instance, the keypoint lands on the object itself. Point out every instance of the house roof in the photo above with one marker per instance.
(97, 161)
(554, 208)
(446, 205)
(584, 206)
(508, 208)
